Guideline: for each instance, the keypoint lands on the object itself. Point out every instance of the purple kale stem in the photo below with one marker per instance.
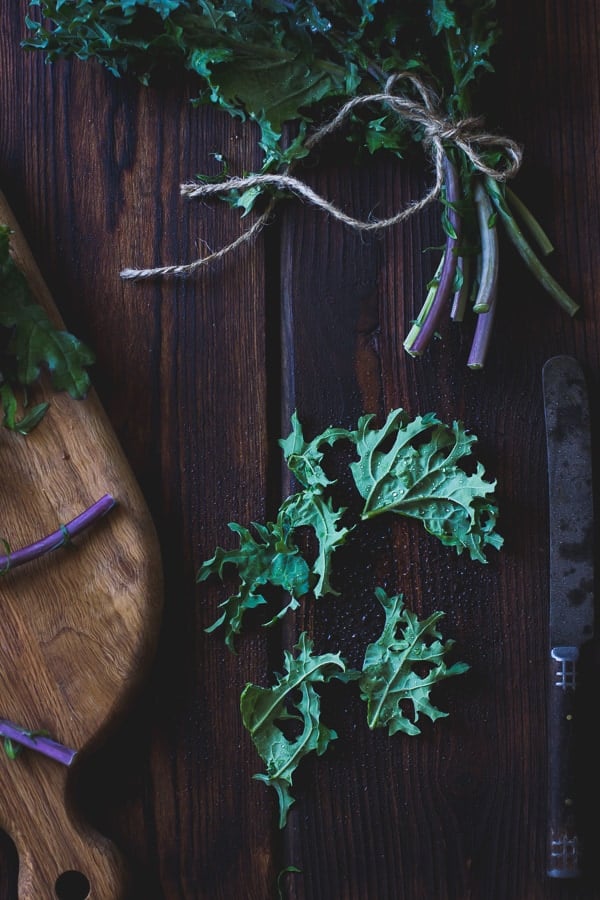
(483, 333)
(489, 253)
(40, 742)
(446, 285)
(60, 537)
(486, 300)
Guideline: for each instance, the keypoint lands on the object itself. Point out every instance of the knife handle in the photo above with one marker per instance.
(563, 840)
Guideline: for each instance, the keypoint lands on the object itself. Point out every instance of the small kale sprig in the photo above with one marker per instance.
(414, 67)
(411, 468)
(399, 672)
(29, 342)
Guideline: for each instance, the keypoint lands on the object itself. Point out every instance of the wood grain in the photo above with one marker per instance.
(198, 379)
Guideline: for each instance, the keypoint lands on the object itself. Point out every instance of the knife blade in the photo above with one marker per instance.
(571, 594)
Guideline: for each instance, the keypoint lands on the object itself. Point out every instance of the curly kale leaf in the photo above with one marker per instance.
(276, 62)
(275, 559)
(31, 343)
(304, 458)
(272, 558)
(312, 509)
(268, 712)
(412, 468)
(403, 666)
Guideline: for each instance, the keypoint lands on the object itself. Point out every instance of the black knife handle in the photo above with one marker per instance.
(563, 840)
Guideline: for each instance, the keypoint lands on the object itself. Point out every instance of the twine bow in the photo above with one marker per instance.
(439, 131)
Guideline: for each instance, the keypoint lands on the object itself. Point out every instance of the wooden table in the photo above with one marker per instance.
(199, 377)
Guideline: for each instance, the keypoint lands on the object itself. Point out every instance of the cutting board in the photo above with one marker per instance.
(77, 627)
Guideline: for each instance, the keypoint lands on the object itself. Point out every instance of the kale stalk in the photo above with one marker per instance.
(15, 739)
(59, 538)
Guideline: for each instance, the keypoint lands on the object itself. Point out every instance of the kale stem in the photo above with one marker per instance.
(424, 312)
(488, 233)
(461, 296)
(536, 267)
(483, 333)
(529, 220)
(34, 741)
(485, 301)
(446, 284)
(58, 538)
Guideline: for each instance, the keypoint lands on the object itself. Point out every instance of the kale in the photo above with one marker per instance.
(411, 468)
(30, 344)
(294, 63)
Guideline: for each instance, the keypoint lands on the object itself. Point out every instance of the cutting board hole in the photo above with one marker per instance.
(72, 886)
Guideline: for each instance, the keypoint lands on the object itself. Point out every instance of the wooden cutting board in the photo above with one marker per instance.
(77, 627)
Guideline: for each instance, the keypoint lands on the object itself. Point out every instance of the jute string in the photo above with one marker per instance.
(438, 131)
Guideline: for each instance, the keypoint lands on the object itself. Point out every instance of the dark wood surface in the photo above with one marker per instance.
(199, 377)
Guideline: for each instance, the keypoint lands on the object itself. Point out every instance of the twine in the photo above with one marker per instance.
(438, 130)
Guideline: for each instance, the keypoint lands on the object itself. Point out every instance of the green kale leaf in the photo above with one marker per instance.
(272, 559)
(267, 713)
(402, 666)
(275, 559)
(411, 468)
(312, 509)
(24, 423)
(304, 458)
(274, 61)
(29, 343)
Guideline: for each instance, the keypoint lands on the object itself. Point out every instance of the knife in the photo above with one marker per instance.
(568, 440)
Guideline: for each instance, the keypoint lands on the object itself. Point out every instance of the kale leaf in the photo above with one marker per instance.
(420, 476)
(273, 61)
(402, 666)
(268, 712)
(275, 558)
(29, 343)
(272, 559)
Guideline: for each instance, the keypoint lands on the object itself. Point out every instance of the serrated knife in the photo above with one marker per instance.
(571, 583)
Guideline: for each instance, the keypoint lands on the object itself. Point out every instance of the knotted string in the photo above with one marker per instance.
(438, 130)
